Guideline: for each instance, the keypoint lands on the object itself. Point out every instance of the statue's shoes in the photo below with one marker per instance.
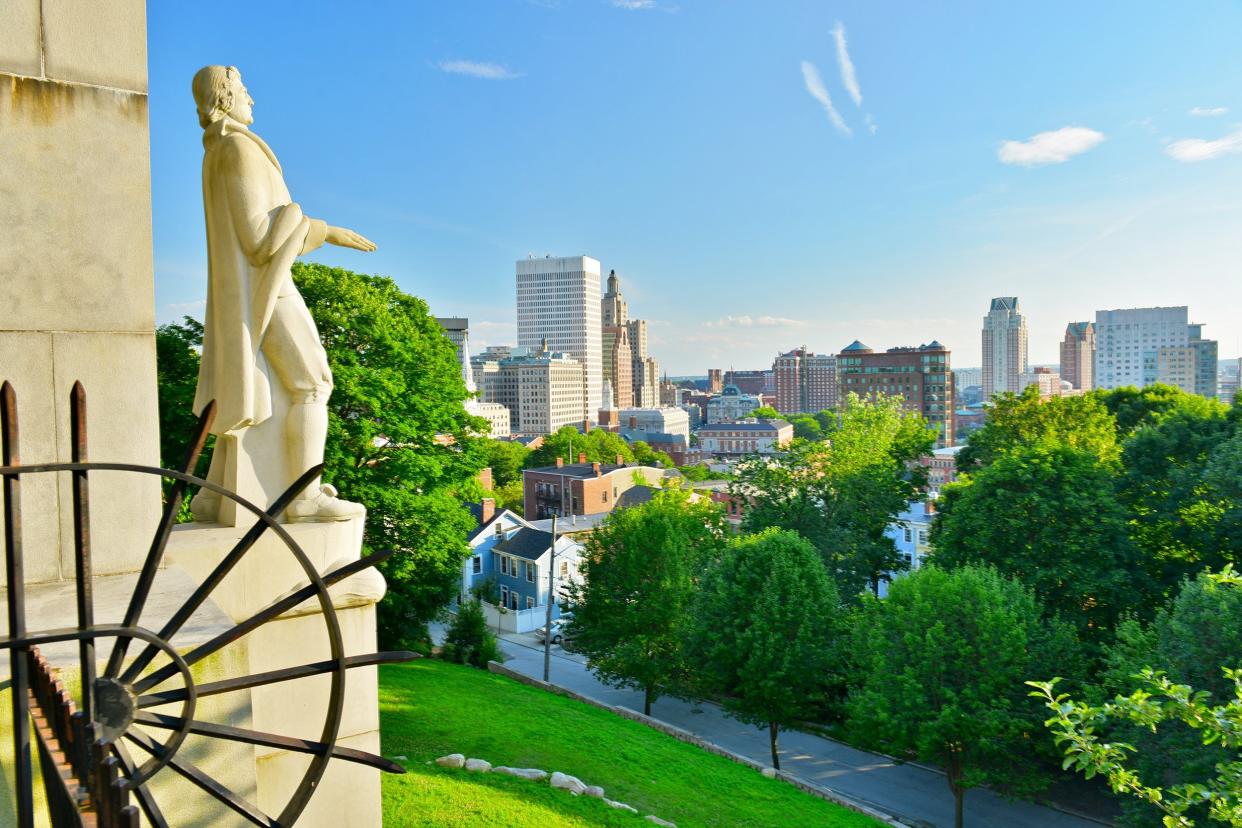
(325, 506)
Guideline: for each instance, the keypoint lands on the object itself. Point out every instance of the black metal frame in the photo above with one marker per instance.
(88, 772)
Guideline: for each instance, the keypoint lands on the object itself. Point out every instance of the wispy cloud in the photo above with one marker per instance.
(871, 127)
(849, 79)
(1198, 149)
(1055, 147)
(1208, 111)
(815, 86)
(634, 5)
(476, 69)
(748, 321)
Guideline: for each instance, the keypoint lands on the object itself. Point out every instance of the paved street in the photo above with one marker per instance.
(908, 792)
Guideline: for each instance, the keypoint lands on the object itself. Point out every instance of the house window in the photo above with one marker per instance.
(504, 565)
(564, 569)
(530, 572)
(478, 564)
(513, 599)
(922, 536)
(504, 596)
(530, 602)
(909, 535)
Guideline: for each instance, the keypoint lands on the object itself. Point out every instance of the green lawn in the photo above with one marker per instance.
(429, 708)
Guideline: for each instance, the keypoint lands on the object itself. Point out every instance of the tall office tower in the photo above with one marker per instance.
(558, 299)
(619, 365)
(805, 382)
(1141, 346)
(1078, 355)
(1206, 353)
(646, 378)
(614, 312)
(1004, 347)
(715, 380)
(922, 377)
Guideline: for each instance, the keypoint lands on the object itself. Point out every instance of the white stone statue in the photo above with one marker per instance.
(262, 358)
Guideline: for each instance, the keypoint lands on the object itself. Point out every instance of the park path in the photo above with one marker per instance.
(915, 795)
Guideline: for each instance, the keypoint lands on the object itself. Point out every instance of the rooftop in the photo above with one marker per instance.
(582, 470)
(526, 543)
(763, 425)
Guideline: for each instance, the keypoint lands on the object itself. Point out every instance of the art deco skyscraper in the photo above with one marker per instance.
(1004, 347)
(558, 300)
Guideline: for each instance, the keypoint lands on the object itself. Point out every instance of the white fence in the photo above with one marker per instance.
(516, 621)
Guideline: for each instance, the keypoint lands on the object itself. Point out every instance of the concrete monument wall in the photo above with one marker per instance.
(76, 283)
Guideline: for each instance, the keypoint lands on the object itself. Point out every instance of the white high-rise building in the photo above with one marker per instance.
(1004, 347)
(1141, 346)
(558, 299)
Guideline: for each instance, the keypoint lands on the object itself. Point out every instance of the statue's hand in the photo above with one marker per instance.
(342, 237)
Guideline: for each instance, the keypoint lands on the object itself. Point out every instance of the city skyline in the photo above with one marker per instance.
(730, 173)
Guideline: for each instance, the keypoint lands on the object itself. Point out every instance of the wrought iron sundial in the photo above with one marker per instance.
(97, 751)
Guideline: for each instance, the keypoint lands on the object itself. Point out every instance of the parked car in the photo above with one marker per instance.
(559, 633)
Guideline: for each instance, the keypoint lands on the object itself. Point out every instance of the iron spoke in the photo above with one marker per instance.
(149, 806)
(82, 548)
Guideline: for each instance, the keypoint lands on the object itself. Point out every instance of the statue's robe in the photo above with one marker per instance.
(254, 232)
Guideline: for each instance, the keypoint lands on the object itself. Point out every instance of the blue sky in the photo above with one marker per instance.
(1079, 156)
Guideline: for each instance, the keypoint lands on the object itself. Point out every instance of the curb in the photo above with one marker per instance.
(826, 794)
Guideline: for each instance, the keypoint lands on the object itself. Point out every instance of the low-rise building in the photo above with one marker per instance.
(731, 405)
(581, 488)
(668, 420)
(746, 437)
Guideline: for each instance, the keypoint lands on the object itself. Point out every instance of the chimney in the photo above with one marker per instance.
(595, 468)
(929, 507)
(581, 457)
(560, 461)
(489, 510)
(620, 460)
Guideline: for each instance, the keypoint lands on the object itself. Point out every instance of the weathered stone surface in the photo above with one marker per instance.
(769, 773)
(19, 38)
(569, 783)
(478, 765)
(453, 760)
(595, 791)
(620, 806)
(102, 42)
(533, 774)
(656, 820)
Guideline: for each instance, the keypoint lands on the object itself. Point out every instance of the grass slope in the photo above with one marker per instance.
(429, 708)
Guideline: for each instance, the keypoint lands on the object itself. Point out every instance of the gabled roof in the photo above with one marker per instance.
(635, 496)
(476, 509)
(526, 543)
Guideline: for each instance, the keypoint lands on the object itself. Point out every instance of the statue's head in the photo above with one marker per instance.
(218, 91)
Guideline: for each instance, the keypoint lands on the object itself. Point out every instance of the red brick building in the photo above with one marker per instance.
(921, 377)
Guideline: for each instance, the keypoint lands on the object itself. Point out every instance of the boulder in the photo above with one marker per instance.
(620, 806)
(769, 773)
(453, 760)
(533, 774)
(595, 791)
(655, 819)
(568, 783)
(478, 765)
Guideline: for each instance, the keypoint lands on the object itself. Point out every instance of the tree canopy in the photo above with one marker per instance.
(641, 569)
(1020, 420)
(765, 633)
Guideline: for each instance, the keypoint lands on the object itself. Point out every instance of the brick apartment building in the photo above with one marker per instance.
(921, 377)
(580, 488)
(805, 382)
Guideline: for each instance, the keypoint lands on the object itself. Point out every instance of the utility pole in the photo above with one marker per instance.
(547, 630)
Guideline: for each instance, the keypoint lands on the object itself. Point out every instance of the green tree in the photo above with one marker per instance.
(645, 455)
(506, 458)
(468, 640)
(1160, 702)
(641, 568)
(765, 630)
(1020, 420)
(766, 412)
(1134, 407)
(1047, 515)
(568, 444)
(176, 360)
(807, 427)
(841, 494)
(944, 656)
(399, 438)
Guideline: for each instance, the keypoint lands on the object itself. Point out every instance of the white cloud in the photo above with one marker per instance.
(475, 69)
(1055, 147)
(848, 78)
(815, 86)
(1208, 111)
(1198, 149)
(748, 321)
(871, 127)
(634, 5)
